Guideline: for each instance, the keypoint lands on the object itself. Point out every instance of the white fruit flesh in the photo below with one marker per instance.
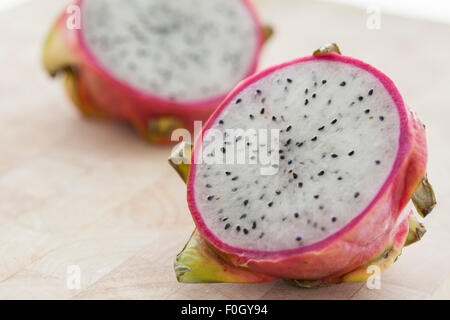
(188, 50)
(339, 141)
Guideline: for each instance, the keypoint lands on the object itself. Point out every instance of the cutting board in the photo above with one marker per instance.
(90, 199)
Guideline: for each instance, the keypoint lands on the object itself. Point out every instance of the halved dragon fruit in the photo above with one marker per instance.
(158, 64)
(350, 157)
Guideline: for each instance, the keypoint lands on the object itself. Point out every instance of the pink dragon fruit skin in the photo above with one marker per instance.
(97, 92)
(375, 236)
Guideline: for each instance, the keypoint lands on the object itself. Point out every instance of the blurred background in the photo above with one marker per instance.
(435, 10)
(92, 194)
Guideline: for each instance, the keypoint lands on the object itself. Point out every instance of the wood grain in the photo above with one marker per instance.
(84, 192)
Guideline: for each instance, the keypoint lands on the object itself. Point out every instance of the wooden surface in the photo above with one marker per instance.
(92, 194)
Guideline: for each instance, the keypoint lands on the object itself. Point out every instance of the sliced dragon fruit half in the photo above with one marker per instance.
(350, 156)
(158, 64)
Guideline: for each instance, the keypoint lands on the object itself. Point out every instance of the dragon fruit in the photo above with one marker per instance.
(350, 157)
(157, 64)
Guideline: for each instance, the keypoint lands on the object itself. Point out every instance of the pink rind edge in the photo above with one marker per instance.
(404, 146)
(200, 104)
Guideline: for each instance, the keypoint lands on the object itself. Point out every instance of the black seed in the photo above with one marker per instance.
(263, 217)
(227, 226)
(314, 95)
(238, 228)
(235, 178)
(289, 80)
(324, 81)
(270, 204)
(321, 128)
(252, 116)
(288, 142)
(370, 92)
(238, 101)
(334, 121)
(245, 231)
(367, 111)
(322, 228)
(210, 198)
(339, 178)
(227, 173)
(378, 162)
(234, 189)
(274, 118)
(282, 157)
(295, 175)
(254, 225)
(278, 192)
(334, 155)
(316, 196)
(243, 216)
(224, 219)
(262, 111)
(261, 235)
(299, 144)
(223, 149)
(245, 202)
(351, 153)
(333, 219)
(306, 102)
(298, 238)
(221, 122)
(296, 215)
(306, 91)
(320, 207)
(321, 173)
(315, 84)
(263, 100)
(288, 128)
(314, 139)
(290, 162)
(258, 92)
(381, 118)
(300, 185)
(343, 84)
(360, 98)
(356, 195)
(209, 186)
(329, 102)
